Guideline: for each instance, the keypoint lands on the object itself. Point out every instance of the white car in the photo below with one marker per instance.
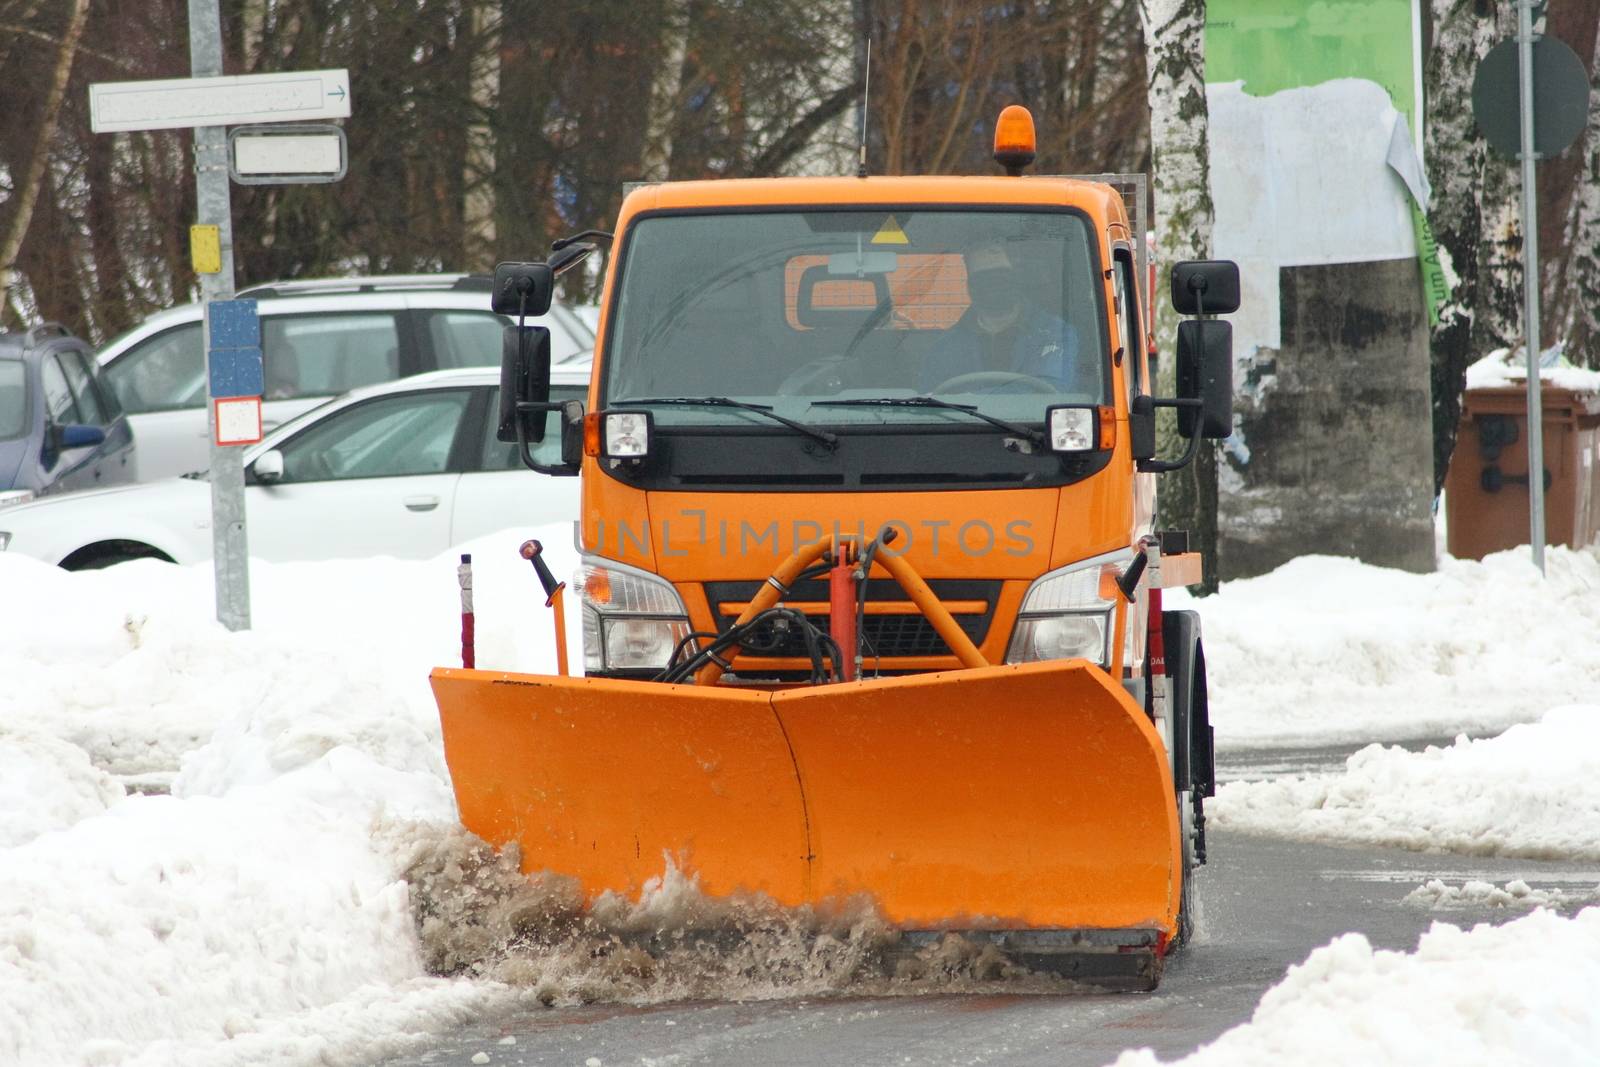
(405, 469)
(319, 339)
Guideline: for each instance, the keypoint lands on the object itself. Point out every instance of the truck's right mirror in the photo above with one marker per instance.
(524, 379)
(1205, 373)
(1205, 287)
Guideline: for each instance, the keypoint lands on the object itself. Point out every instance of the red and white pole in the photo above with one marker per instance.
(468, 637)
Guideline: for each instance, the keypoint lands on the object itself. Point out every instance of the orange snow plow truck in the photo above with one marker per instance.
(870, 588)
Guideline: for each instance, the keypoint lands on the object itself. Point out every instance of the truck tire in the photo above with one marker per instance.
(1193, 760)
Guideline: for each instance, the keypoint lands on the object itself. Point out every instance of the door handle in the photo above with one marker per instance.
(421, 503)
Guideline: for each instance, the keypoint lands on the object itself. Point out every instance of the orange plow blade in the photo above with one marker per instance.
(1030, 806)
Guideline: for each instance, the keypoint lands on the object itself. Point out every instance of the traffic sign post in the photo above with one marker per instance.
(1551, 89)
(208, 103)
(230, 547)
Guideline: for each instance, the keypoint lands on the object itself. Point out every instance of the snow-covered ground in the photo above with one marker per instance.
(1533, 791)
(1329, 651)
(293, 898)
(1516, 995)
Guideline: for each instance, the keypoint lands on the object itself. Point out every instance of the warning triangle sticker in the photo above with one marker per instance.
(890, 233)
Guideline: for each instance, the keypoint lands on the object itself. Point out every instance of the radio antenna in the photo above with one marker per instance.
(866, 95)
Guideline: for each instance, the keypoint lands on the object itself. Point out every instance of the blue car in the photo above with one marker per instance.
(61, 427)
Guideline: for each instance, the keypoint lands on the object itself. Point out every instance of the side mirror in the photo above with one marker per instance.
(568, 257)
(522, 288)
(75, 435)
(268, 467)
(1205, 287)
(1205, 373)
(524, 384)
(1142, 427)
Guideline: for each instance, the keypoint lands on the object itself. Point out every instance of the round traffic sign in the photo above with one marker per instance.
(1560, 97)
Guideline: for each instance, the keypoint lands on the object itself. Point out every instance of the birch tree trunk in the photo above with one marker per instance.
(478, 201)
(655, 164)
(1576, 308)
(1174, 34)
(33, 179)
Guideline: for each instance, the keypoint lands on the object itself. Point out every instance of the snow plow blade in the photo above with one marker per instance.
(1029, 806)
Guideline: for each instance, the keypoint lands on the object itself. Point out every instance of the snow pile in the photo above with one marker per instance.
(1533, 791)
(46, 785)
(1516, 893)
(1325, 649)
(259, 913)
(1503, 367)
(1511, 995)
(130, 665)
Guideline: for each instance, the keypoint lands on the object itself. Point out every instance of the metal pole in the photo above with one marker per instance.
(1530, 284)
(229, 550)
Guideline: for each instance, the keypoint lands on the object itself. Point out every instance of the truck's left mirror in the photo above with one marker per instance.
(524, 380)
(522, 288)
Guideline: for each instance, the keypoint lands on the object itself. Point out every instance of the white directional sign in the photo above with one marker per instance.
(181, 103)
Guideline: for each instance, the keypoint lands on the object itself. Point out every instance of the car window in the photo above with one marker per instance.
(323, 355)
(13, 398)
(498, 455)
(165, 373)
(81, 379)
(465, 338)
(58, 402)
(393, 435)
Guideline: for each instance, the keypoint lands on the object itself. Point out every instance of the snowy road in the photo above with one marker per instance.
(1266, 904)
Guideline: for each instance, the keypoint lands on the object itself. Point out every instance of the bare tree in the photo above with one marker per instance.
(27, 191)
(1174, 33)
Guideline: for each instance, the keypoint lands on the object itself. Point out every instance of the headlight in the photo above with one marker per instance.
(15, 496)
(632, 619)
(1063, 615)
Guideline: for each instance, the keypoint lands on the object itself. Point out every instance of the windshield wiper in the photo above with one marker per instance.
(1034, 437)
(829, 439)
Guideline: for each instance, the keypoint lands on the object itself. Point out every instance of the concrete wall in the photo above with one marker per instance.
(1333, 449)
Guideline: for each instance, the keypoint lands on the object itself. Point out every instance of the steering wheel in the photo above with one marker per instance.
(820, 377)
(983, 381)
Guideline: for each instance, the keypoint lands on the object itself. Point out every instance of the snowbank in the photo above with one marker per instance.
(259, 914)
(1326, 650)
(1533, 791)
(1511, 995)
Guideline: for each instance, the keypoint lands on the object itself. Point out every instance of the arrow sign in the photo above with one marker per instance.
(181, 103)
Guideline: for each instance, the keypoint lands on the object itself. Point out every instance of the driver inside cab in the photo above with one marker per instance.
(1001, 335)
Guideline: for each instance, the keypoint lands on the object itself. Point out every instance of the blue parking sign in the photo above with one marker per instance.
(235, 372)
(235, 324)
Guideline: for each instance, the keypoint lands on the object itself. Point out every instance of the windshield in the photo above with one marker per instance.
(994, 309)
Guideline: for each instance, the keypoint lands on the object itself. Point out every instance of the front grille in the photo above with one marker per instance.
(887, 636)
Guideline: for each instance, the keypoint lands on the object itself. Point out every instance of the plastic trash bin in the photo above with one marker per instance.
(1486, 488)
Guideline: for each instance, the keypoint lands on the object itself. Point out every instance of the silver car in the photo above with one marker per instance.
(319, 339)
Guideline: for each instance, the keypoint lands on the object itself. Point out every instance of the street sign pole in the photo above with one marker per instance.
(230, 551)
(1530, 283)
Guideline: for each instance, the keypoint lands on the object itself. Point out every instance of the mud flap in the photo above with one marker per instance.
(1032, 797)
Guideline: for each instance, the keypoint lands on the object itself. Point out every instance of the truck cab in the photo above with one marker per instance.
(784, 361)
